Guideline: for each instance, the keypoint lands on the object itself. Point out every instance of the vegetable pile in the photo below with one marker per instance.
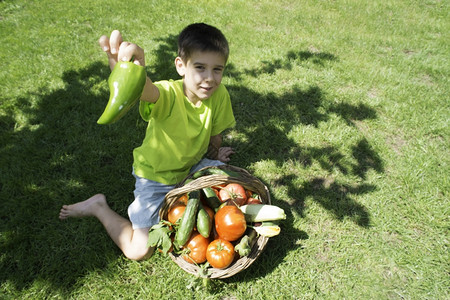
(215, 225)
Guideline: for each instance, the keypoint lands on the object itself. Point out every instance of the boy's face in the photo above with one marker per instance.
(202, 74)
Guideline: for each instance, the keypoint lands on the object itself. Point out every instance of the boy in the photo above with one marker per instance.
(184, 124)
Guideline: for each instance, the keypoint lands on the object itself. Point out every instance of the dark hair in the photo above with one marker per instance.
(201, 37)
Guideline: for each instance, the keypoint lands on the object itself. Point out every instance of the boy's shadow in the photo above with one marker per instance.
(165, 54)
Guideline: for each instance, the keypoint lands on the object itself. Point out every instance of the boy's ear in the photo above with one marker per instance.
(181, 68)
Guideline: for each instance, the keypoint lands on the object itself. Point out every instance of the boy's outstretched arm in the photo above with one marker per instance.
(118, 50)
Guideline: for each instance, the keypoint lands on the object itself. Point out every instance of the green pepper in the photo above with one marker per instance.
(126, 84)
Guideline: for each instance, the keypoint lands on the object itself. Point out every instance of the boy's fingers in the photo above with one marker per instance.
(121, 51)
(128, 50)
(224, 154)
(226, 150)
(115, 40)
(118, 50)
(104, 43)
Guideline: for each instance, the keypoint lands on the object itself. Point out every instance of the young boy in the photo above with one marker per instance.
(184, 124)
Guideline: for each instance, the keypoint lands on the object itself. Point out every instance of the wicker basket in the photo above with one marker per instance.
(246, 180)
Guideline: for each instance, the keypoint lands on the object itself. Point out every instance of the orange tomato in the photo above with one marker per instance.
(220, 253)
(230, 223)
(175, 213)
(197, 245)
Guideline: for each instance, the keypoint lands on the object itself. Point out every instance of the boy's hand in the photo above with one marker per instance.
(118, 50)
(217, 152)
(224, 154)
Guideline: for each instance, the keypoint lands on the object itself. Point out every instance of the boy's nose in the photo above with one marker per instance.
(209, 76)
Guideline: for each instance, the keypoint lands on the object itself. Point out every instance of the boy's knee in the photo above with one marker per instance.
(139, 254)
(137, 249)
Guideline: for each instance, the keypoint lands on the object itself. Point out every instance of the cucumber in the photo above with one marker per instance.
(188, 219)
(262, 212)
(204, 222)
(211, 198)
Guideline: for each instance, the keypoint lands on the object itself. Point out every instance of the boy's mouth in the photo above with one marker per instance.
(207, 89)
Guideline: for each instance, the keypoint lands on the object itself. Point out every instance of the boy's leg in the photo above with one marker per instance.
(206, 162)
(133, 243)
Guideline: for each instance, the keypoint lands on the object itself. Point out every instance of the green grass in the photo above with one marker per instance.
(342, 109)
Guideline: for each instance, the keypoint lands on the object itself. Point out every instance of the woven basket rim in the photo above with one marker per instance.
(249, 182)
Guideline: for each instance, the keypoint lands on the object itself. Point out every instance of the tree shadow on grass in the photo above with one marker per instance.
(165, 53)
(267, 131)
(264, 124)
(53, 153)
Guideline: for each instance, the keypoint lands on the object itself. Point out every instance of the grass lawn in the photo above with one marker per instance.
(342, 110)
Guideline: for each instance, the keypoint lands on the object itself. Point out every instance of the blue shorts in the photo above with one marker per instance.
(149, 197)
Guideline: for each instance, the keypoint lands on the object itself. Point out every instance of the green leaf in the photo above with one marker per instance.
(159, 237)
(166, 243)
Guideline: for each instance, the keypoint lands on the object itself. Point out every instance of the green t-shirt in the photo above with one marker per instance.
(178, 133)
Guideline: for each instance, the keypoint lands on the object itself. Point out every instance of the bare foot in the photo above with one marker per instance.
(84, 208)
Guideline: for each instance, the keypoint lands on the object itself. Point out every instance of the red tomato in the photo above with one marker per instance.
(230, 223)
(234, 192)
(197, 244)
(254, 201)
(175, 212)
(249, 193)
(220, 253)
